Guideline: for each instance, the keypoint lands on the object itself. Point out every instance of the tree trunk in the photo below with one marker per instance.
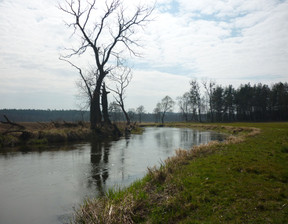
(95, 107)
(162, 117)
(199, 114)
(95, 111)
(125, 114)
(105, 105)
(211, 111)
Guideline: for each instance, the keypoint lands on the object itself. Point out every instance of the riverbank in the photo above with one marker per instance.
(37, 134)
(242, 180)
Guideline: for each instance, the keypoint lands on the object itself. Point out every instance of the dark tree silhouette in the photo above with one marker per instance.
(218, 103)
(229, 101)
(108, 31)
(104, 100)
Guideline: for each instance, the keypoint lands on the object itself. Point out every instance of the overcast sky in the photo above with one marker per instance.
(228, 41)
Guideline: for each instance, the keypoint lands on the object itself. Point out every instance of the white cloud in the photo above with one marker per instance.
(251, 42)
(30, 46)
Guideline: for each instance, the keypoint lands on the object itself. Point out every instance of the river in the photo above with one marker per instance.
(44, 185)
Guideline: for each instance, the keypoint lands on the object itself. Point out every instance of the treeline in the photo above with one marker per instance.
(204, 102)
(30, 115)
(227, 104)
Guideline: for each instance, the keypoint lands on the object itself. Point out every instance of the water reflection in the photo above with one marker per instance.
(195, 137)
(184, 138)
(165, 139)
(54, 179)
(99, 168)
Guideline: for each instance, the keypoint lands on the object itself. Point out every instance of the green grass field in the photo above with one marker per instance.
(244, 180)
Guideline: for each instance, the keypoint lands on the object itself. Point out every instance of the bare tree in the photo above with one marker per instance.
(122, 77)
(166, 105)
(108, 32)
(185, 105)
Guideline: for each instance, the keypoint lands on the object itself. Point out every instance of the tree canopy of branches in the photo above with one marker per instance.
(107, 29)
(166, 105)
(122, 77)
(185, 105)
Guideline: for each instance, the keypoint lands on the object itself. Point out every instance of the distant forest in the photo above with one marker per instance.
(217, 104)
(226, 104)
(76, 115)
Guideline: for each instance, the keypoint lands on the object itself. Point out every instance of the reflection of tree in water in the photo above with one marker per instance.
(196, 137)
(122, 156)
(165, 139)
(99, 162)
(189, 137)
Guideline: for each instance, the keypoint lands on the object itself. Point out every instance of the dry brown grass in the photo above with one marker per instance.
(42, 133)
(105, 211)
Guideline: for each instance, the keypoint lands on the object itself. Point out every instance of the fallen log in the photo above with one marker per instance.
(10, 129)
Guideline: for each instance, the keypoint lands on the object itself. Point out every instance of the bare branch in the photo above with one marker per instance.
(89, 12)
(122, 76)
(112, 27)
(125, 29)
(88, 86)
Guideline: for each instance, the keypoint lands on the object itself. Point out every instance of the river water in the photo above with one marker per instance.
(43, 186)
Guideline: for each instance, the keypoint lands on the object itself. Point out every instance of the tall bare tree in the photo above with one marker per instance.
(108, 30)
(122, 77)
(185, 105)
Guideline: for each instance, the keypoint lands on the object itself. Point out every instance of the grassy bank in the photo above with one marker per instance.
(243, 180)
(35, 133)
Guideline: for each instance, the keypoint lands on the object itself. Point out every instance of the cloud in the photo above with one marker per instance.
(30, 42)
(237, 39)
(229, 41)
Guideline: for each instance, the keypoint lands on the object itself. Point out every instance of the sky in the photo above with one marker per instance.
(226, 41)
